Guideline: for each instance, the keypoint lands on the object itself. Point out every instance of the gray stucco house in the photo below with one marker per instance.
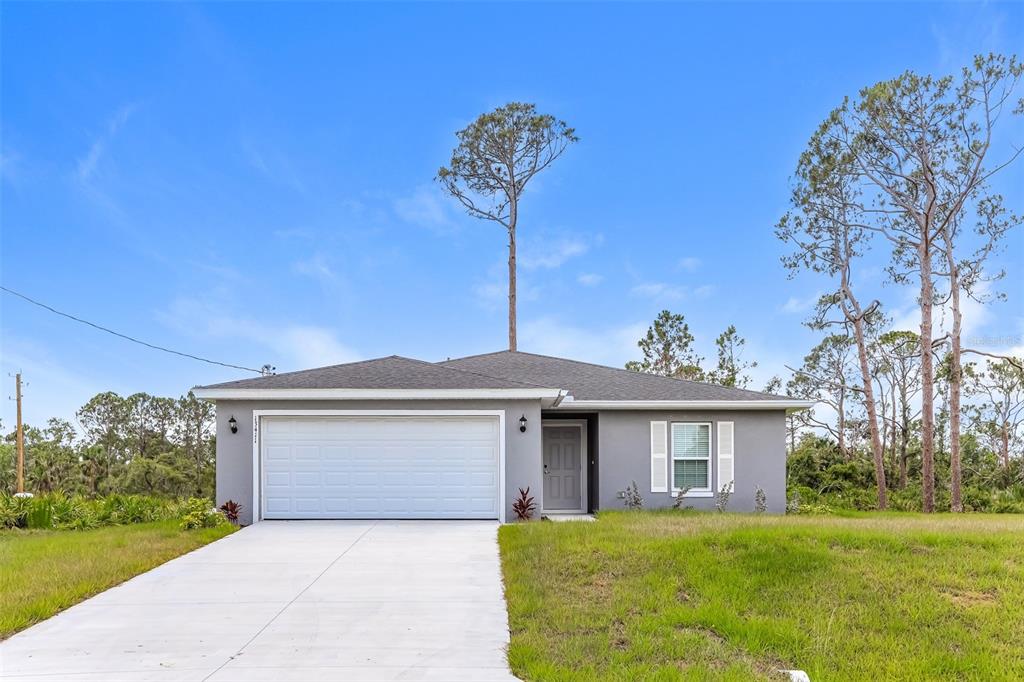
(402, 438)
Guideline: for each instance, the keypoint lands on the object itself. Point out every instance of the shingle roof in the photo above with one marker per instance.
(501, 370)
(586, 381)
(382, 373)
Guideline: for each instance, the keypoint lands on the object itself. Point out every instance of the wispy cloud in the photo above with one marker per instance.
(589, 279)
(659, 290)
(273, 164)
(662, 291)
(704, 291)
(689, 264)
(87, 165)
(795, 304)
(316, 267)
(56, 389)
(612, 345)
(551, 254)
(426, 207)
(288, 345)
(492, 293)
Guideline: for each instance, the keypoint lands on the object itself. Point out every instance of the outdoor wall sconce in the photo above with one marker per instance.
(522, 423)
(233, 425)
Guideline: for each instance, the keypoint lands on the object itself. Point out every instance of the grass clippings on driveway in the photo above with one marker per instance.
(672, 595)
(43, 572)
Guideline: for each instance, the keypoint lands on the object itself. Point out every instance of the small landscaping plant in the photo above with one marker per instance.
(722, 497)
(524, 506)
(760, 500)
(199, 514)
(680, 501)
(231, 510)
(632, 497)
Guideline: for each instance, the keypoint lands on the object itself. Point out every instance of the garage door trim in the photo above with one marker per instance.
(257, 415)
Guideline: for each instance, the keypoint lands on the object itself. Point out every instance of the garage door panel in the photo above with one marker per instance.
(380, 467)
(307, 504)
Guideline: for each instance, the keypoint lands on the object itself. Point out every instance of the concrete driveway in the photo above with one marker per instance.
(291, 601)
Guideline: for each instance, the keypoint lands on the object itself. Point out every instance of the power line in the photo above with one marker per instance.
(126, 337)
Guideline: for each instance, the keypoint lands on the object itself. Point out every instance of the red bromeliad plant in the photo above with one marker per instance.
(231, 510)
(524, 506)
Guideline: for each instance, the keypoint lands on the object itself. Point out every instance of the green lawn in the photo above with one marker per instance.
(673, 595)
(45, 571)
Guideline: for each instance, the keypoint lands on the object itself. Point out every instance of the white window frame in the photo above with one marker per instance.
(693, 492)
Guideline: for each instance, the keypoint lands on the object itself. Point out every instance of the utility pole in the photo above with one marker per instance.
(21, 437)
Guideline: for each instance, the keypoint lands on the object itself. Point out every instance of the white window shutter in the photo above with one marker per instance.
(659, 457)
(726, 456)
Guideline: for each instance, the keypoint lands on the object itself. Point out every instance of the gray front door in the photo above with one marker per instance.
(563, 461)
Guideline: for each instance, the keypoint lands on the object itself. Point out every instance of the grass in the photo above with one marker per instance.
(674, 595)
(43, 572)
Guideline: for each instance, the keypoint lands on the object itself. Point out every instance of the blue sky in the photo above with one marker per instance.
(253, 183)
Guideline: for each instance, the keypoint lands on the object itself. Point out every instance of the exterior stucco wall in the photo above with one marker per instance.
(760, 448)
(234, 450)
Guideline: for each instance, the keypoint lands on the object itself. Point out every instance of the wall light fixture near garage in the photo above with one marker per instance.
(233, 424)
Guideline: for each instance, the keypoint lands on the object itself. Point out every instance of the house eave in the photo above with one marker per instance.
(787, 405)
(215, 394)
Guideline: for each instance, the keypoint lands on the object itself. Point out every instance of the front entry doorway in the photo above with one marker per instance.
(565, 470)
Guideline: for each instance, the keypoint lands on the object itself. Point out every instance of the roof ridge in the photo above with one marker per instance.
(317, 369)
(619, 369)
(439, 365)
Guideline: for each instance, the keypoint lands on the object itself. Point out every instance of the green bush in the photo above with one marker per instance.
(58, 510)
(13, 511)
(200, 514)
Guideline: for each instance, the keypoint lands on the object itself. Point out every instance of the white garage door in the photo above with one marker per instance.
(379, 467)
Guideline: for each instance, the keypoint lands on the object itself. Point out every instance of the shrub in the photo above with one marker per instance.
(199, 514)
(680, 500)
(58, 510)
(632, 498)
(13, 511)
(524, 506)
(760, 500)
(722, 497)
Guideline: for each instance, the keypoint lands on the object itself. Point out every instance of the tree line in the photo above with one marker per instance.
(135, 444)
(906, 169)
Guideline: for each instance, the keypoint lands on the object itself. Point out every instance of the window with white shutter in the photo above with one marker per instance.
(726, 456)
(691, 457)
(659, 457)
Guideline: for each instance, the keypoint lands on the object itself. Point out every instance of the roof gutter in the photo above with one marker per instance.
(790, 405)
(214, 394)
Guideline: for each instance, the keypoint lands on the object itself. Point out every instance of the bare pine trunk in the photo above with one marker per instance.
(927, 379)
(895, 431)
(955, 380)
(841, 426)
(904, 434)
(512, 277)
(869, 403)
(1005, 445)
(904, 438)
